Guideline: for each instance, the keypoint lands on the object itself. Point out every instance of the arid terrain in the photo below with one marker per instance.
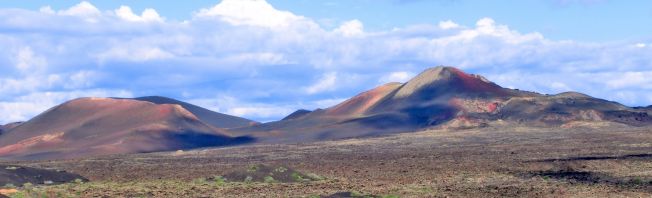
(583, 161)
(445, 133)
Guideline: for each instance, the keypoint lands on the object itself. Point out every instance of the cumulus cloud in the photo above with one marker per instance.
(448, 24)
(84, 9)
(351, 28)
(252, 12)
(148, 15)
(275, 61)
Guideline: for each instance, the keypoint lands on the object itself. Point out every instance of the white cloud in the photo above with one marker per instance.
(448, 25)
(630, 80)
(133, 53)
(27, 61)
(148, 15)
(400, 76)
(262, 58)
(326, 83)
(640, 45)
(81, 79)
(47, 10)
(560, 87)
(84, 9)
(351, 28)
(251, 12)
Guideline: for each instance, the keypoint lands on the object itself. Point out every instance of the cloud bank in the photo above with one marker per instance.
(249, 59)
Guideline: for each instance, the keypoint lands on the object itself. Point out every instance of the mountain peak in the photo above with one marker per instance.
(297, 114)
(449, 78)
(571, 94)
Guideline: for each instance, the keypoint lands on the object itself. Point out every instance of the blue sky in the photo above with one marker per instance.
(585, 20)
(263, 59)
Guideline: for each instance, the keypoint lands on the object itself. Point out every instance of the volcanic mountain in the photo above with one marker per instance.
(215, 119)
(440, 97)
(443, 97)
(100, 126)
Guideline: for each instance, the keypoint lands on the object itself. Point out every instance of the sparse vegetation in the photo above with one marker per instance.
(220, 181)
(297, 177)
(269, 179)
(471, 163)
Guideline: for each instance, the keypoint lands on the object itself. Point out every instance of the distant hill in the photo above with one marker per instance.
(100, 126)
(444, 97)
(207, 116)
(7, 127)
(297, 114)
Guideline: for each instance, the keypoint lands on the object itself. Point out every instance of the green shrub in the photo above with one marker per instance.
(269, 179)
(219, 180)
(296, 176)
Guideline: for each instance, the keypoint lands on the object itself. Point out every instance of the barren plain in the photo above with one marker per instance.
(582, 161)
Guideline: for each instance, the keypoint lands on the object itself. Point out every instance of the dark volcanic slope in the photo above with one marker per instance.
(444, 97)
(99, 126)
(18, 175)
(207, 116)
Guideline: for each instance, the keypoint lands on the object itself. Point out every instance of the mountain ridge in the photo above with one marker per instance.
(215, 119)
(440, 97)
(445, 97)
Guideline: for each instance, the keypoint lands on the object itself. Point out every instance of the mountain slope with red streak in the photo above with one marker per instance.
(361, 103)
(101, 126)
(444, 97)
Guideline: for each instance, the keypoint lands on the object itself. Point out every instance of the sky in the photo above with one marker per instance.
(264, 59)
